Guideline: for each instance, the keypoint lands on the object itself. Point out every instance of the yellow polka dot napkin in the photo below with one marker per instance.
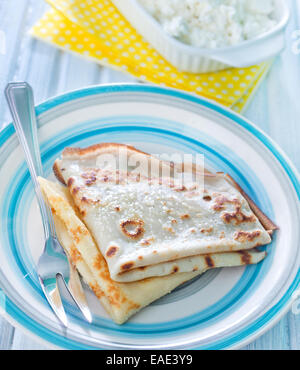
(96, 29)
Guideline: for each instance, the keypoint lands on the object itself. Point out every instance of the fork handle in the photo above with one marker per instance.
(19, 96)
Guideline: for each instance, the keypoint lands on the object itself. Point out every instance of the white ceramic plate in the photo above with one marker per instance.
(224, 308)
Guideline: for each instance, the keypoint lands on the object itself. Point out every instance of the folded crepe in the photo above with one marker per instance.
(120, 300)
(153, 225)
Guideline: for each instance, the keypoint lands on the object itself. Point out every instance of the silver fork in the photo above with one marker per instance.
(54, 266)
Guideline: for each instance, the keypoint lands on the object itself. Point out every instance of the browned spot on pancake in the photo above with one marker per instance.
(75, 190)
(127, 266)
(207, 198)
(57, 172)
(155, 251)
(185, 217)
(112, 291)
(112, 300)
(220, 202)
(180, 188)
(237, 217)
(104, 274)
(90, 201)
(138, 230)
(53, 211)
(146, 241)
(90, 177)
(78, 233)
(246, 257)
(175, 269)
(91, 180)
(243, 236)
(97, 290)
(265, 221)
(98, 263)
(222, 235)
(195, 268)
(193, 230)
(134, 306)
(112, 250)
(117, 209)
(193, 187)
(86, 175)
(140, 257)
(170, 230)
(209, 261)
(75, 254)
(70, 181)
(174, 221)
(207, 231)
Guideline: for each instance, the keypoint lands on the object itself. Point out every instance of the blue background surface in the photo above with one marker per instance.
(275, 109)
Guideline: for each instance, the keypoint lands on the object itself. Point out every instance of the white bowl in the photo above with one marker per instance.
(199, 60)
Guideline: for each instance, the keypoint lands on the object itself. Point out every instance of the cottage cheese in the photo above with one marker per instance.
(213, 23)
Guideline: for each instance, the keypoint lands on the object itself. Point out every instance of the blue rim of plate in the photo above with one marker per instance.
(19, 316)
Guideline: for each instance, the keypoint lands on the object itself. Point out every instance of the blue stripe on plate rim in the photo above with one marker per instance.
(16, 314)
